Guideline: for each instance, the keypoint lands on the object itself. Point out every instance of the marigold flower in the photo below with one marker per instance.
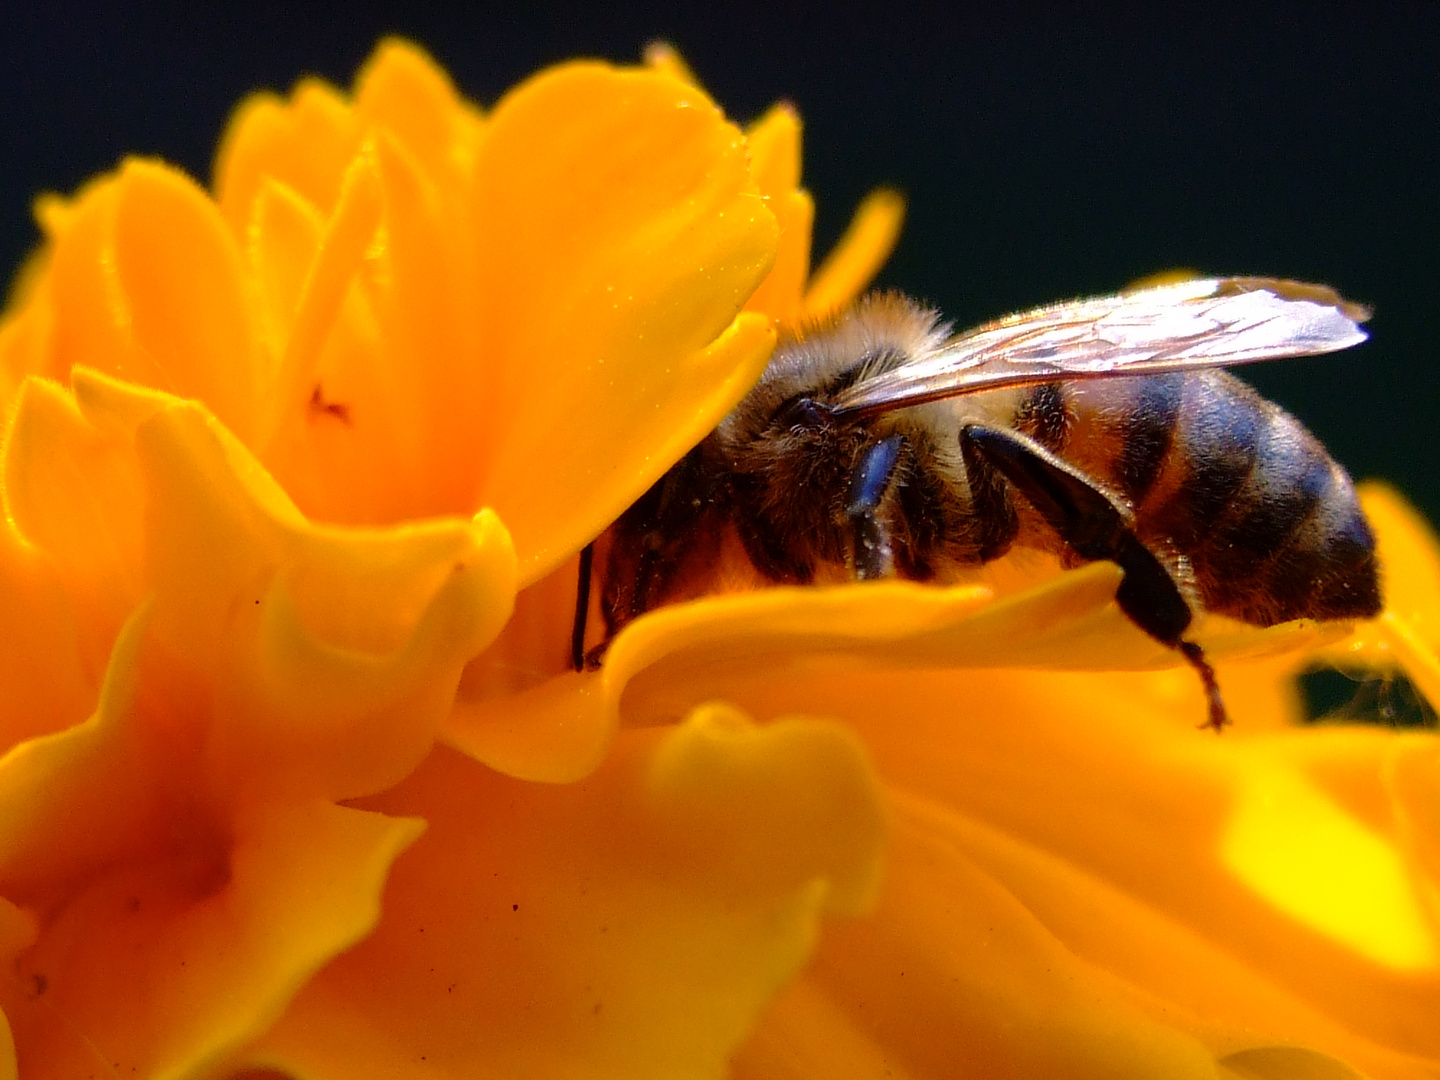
(297, 777)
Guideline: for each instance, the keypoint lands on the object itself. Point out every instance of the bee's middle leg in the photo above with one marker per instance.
(874, 473)
(1096, 526)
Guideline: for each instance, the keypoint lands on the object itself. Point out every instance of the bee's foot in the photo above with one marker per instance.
(1218, 718)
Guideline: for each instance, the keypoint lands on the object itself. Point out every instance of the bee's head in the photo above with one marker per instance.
(802, 415)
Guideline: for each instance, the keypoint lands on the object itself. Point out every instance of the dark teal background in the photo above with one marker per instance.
(1046, 152)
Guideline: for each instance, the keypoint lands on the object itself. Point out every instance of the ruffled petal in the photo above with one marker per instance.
(401, 89)
(305, 143)
(178, 855)
(1086, 983)
(621, 235)
(248, 500)
(146, 284)
(381, 387)
(1222, 893)
(26, 326)
(630, 925)
(664, 663)
(75, 494)
(335, 642)
(48, 684)
(164, 962)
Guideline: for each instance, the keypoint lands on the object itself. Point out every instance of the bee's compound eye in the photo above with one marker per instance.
(804, 413)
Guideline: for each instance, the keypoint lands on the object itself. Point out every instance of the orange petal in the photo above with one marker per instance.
(91, 313)
(552, 725)
(1061, 868)
(385, 333)
(962, 968)
(75, 494)
(360, 636)
(631, 925)
(327, 281)
(857, 258)
(779, 294)
(664, 57)
(181, 275)
(433, 385)
(1067, 623)
(48, 684)
(621, 235)
(146, 285)
(1409, 553)
(304, 143)
(276, 661)
(1414, 790)
(167, 964)
(775, 150)
(775, 163)
(1407, 633)
(403, 90)
(283, 238)
(26, 327)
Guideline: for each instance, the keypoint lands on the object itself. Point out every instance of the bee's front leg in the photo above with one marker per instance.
(874, 556)
(1096, 525)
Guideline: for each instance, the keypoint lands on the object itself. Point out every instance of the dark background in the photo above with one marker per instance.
(1046, 153)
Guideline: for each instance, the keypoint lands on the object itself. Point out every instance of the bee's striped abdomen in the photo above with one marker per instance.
(1269, 524)
(1146, 432)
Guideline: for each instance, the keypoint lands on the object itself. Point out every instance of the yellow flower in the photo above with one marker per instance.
(295, 476)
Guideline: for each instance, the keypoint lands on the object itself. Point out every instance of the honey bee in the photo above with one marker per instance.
(876, 444)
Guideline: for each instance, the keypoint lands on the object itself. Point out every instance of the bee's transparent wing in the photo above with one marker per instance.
(1208, 322)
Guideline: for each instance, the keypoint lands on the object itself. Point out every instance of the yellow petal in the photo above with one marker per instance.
(631, 925)
(73, 493)
(775, 163)
(664, 57)
(621, 235)
(48, 683)
(1310, 857)
(304, 143)
(146, 285)
(26, 327)
(360, 636)
(276, 665)
(282, 240)
(1057, 870)
(403, 90)
(1086, 983)
(383, 384)
(327, 282)
(520, 710)
(857, 258)
(180, 271)
(1407, 633)
(167, 965)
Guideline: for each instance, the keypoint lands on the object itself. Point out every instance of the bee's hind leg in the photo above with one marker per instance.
(1095, 525)
(874, 556)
